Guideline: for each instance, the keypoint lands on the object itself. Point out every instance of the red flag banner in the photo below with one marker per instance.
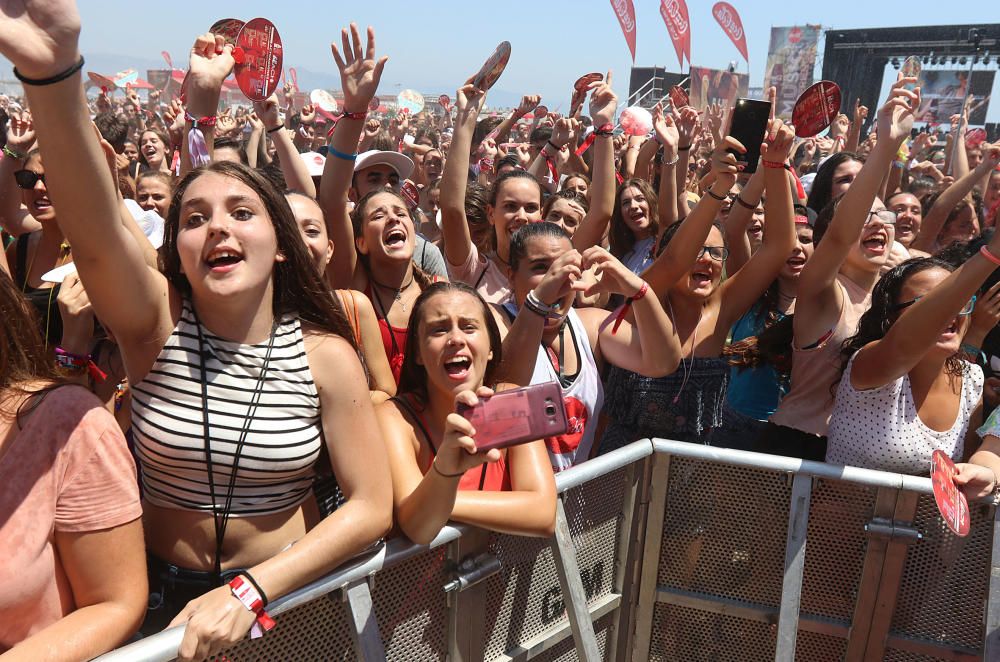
(625, 11)
(729, 19)
(675, 16)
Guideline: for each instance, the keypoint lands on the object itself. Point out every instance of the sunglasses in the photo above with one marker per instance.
(717, 253)
(27, 179)
(885, 217)
(967, 310)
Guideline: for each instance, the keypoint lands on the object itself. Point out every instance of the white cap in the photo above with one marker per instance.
(401, 163)
(149, 222)
(314, 163)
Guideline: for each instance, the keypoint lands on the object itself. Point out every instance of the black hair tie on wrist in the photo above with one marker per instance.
(51, 80)
(253, 582)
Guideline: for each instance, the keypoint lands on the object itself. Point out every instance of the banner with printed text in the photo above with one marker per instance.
(675, 16)
(729, 20)
(791, 58)
(625, 11)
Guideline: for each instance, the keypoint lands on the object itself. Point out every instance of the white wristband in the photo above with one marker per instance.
(247, 594)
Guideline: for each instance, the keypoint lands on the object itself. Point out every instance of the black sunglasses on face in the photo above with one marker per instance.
(27, 179)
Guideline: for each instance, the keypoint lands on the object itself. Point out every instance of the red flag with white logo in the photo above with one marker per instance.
(675, 16)
(729, 19)
(625, 11)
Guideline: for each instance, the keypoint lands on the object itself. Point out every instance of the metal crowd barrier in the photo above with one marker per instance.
(668, 551)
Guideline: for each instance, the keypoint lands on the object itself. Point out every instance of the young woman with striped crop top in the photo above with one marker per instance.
(570, 345)
(436, 472)
(242, 364)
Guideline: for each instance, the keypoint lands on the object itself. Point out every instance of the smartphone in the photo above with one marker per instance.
(748, 124)
(517, 416)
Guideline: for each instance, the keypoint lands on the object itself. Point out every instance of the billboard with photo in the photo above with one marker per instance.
(943, 90)
(791, 58)
(710, 86)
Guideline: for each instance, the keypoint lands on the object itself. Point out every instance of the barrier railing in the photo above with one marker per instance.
(671, 551)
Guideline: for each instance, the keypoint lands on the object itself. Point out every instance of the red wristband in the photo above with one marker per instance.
(641, 293)
(625, 306)
(773, 164)
(604, 130)
(201, 121)
(355, 116)
(985, 252)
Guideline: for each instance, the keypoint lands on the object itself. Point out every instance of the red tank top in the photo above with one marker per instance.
(393, 337)
(488, 477)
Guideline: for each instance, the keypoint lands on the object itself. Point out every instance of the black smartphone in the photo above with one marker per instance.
(748, 124)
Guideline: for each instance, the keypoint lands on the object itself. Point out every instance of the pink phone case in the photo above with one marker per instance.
(517, 416)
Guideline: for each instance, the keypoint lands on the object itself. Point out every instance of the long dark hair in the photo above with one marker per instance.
(821, 192)
(23, 356)
(358, 223)
(495, 191)
(298, 287)
(525, 233)
(412, 375)
(882, 314)
(620, 238)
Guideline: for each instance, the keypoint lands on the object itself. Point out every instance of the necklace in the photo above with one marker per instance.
(397, 291)
(694, 345)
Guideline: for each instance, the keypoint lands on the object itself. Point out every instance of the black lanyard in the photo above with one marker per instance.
(221, 520)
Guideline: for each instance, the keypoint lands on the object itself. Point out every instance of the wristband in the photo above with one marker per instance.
(443, 474)
(275, 129)
(684, 149)
(604, 130)
(674, 162)
(51, 79)
(536, 305)
(77, 363)
(641, 293)
(623, 309)
(743, 203)
(773, 164)
(985, 252)
(712, 194)
(250, 597)
(553, 145)
(208, 120)
(11, 153)
(341, 155)
(486, 164)
(361, 115)
(260, 591)
(971, 350)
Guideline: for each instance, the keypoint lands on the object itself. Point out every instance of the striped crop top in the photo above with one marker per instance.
(283, 441)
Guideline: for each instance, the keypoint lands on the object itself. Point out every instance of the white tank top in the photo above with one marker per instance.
(583, 398)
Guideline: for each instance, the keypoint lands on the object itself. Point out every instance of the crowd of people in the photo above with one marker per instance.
(266, 323)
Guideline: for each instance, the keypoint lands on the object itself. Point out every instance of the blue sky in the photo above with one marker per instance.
(434, 46)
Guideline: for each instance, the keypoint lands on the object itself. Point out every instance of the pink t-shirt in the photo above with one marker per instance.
(68, 469)
(481, 273)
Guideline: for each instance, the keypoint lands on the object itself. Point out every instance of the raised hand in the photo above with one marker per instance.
(613, 277)
(528, 103)
(860, 112)
(20, 132)
(211, 61)
(372, 128)
(724, 163)
(686, 120)
(778, 142)
(360, 73)
(307, 114)
(895, 117)
(666, 131)
(267, 111)
(40, 38)
(603, 102)
(564, 130)
(468, 102)
(255, 122)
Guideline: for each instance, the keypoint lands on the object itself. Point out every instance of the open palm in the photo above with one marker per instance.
(359, 72)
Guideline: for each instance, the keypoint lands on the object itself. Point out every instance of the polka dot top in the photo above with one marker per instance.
(879, 428)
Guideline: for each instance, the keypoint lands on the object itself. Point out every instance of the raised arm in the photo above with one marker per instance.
(919, 325)
(740, 216)
(817, 291)
(128, 297)
(454, 225)
(683, 249)
(292, 167)
(647, 343)
(359, 78)
(666, 195)
(20, 137)
(603, 104)
(740, 291)
(212, 58)
(686, 120)
(936, 216)
(528, 103)
(854, 133)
